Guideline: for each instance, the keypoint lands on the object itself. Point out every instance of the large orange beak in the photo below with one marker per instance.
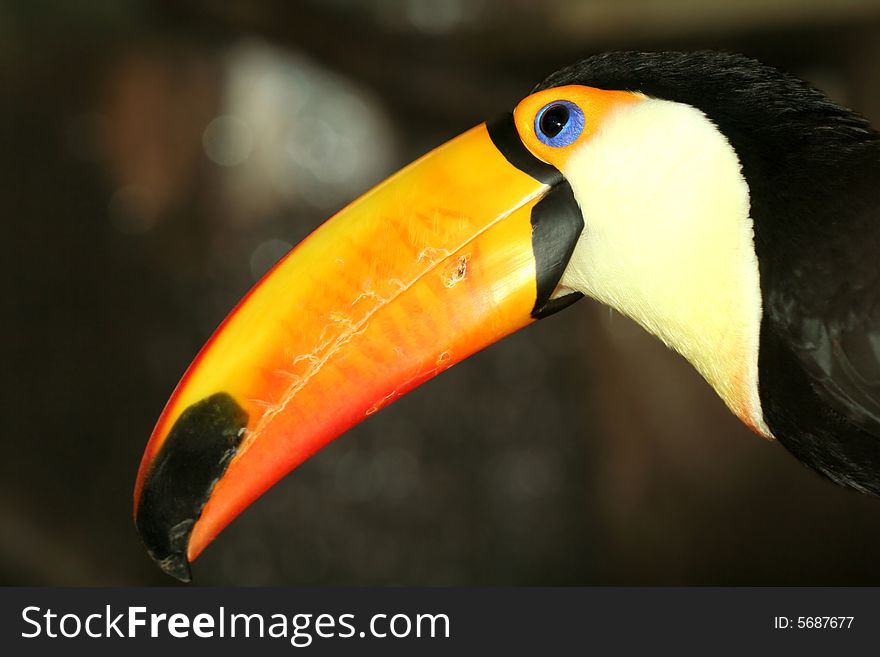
(461, 248)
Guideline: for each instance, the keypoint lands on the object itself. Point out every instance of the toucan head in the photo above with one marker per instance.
(591, 186)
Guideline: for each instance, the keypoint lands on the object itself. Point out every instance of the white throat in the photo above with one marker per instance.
(668, 241)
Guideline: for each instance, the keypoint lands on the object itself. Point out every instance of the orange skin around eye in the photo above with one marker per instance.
(596, 105)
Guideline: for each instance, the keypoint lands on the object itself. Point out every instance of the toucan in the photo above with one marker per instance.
(729, 208)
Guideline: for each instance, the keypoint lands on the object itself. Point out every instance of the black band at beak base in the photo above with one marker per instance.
(557, 224)
(505, 136)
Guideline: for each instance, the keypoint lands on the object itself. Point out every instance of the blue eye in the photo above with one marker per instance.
(559, 123)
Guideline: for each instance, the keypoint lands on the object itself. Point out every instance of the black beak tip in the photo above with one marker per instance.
(177, 566)
(177, 486)
(167, 547)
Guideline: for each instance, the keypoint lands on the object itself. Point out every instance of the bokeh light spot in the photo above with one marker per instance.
(228, 141)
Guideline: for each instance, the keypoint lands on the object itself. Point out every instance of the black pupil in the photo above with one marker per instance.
(554, 120)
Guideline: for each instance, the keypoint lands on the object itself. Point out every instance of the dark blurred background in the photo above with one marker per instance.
(157, 156)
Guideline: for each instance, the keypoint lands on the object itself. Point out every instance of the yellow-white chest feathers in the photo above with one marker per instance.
(668, 241)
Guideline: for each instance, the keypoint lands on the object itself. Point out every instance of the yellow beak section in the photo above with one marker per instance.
(427, 268)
